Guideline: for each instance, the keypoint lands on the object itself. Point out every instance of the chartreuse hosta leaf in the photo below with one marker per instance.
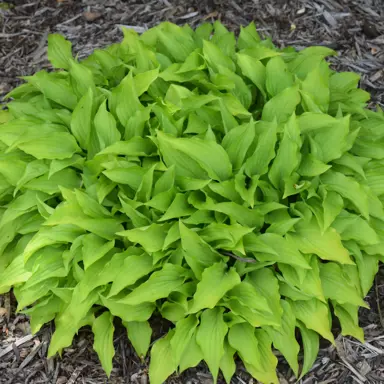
(231, 188)
(103, 329)
(210, 337)
(139, 334)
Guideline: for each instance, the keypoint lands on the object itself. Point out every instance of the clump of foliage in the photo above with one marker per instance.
(230, 187)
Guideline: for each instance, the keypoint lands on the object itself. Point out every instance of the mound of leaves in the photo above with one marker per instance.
(230, 187)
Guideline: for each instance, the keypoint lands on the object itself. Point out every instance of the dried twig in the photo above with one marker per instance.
(75, 374)
(242, 259)
(17, 343)
(56, 374)
(27, 360)
(341, 353)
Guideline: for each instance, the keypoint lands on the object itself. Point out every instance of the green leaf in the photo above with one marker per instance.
(67, 178)
(335, 132)
(51, 265)
(59, 51)
(215, 282)
(139, 334)
(288, 155)
(184, 332)
(48, 236)
(177, 42)
(367, 266)
(105, 127)
(265, 369)
(316, 85)
(129, 313)
(94, 248)
(309, 58)
(162, 362)
(280, 249)
(192, 355)
(311, 348)
(262, 51)
(349, 189)
(134, 268)
(57, 165)
(242, 338)
(20, 205)
(348, 317)
(311, 283)
(227, 363)
(54, 88)
(249, 296)
(28, 295)
(159, 285)
(278, 76)
(69, 321)
(144, 190)
(314, 314)
(198, 254)
(123, 100)
(310, 166)
(144, 80)
(284, 338)
(59, 145)
(100, 273)
(14, 274)
(332, 205)
(131, 175)
(210, 337)
(213, 55)
(267, 285)
(69, 213)
(178, 208)
(81, 119)
(338, 286)
(353, 227)
(137, 146)
(209, 155)
(103, 330)
(43, 312)
(327, 245)
(151, 237)
(257, 163)
(240, 89)
(81, 78)
(254, 70)
(224, 39)
(248, 36)
(237, 142)
(225, 236)
(281, 106)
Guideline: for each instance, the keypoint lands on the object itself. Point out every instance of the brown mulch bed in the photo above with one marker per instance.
(354, 28)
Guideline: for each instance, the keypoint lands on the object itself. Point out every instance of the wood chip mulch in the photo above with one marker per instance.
(354, 28)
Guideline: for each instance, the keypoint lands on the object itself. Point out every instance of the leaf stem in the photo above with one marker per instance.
(243, 259)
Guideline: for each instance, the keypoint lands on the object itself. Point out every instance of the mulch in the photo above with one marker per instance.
(354, 28)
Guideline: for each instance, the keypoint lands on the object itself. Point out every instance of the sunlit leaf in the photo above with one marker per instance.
(103, 330)
(210, 337)
(162, 363)
(215, 282)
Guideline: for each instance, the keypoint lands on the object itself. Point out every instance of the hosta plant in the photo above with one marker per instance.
(230, 187)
